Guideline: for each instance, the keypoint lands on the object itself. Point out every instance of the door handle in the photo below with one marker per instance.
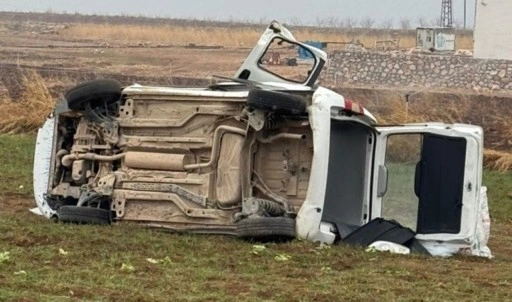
(469, 186)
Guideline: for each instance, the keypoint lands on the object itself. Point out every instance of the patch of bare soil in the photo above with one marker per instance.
(62, 61)
(14, 204)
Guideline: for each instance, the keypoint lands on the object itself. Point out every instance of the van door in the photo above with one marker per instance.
(428, 178)
(274, 59)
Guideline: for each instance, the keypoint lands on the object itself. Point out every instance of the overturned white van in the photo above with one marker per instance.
(267, 154)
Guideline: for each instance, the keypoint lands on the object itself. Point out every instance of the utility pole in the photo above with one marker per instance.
(465, 7)
(446, 14)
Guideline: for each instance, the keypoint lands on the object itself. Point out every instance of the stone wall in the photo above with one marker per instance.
(417, 71)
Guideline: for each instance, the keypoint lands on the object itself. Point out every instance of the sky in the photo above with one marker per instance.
(298, 11)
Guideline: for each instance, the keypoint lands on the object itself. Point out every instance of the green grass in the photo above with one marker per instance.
(499, 193)
(400, 201)
(16, 159)
(213, 268)
(57, 262)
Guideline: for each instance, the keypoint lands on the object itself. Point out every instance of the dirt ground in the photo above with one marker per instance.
(51, 53)
(57, 47)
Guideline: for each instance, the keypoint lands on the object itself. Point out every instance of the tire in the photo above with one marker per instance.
(279, 102)
(266, 228)
(95, 92)
(83, 215)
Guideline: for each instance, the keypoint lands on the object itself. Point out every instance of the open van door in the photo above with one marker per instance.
(274, 59)
(428, 178)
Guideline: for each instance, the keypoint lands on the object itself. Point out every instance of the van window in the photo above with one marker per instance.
(400, 202)
(280, 59)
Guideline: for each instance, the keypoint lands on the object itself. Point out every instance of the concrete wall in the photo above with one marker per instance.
(416, 71)
(493, 29)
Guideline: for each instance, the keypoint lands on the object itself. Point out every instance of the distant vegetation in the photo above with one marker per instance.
(239, 37)
(403, 23)
(234, 33)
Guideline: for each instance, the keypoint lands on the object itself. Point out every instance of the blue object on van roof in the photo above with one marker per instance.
(304, 54)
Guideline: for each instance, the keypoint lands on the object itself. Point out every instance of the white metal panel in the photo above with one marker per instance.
(473, 173)
(493, 34)
(425, 38)
(42, 160)
(325, 103)
(258, 74)
(444, 41)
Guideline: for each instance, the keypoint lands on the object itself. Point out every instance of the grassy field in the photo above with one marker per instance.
(43, 261)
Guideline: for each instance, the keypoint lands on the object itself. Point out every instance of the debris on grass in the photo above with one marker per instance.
(127, 267)
(258, 249)
(370, 249)
(62, 251)
(4, 257)
(22, 272)
(282, 257)
(314, 251)
(151, 260)
(323, 246)
(164, 261)
(261, 249)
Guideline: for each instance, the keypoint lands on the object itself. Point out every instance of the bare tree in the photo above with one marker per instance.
(405, 24)
(263, 20)
(386, 24)
(332, 21)
(350, 22)
(422, 21)
(340, 23)
(294, 21)
(367, 22)
(320, 22)
(436, 22)
(457, 24)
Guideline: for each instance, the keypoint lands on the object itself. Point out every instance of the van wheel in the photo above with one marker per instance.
(279, 102)
(266, 228)
(83, 215)
(96, 92)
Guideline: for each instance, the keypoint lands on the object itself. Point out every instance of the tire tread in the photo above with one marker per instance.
(84, 215)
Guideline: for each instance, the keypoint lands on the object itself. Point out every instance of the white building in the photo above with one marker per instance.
(493, 29)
